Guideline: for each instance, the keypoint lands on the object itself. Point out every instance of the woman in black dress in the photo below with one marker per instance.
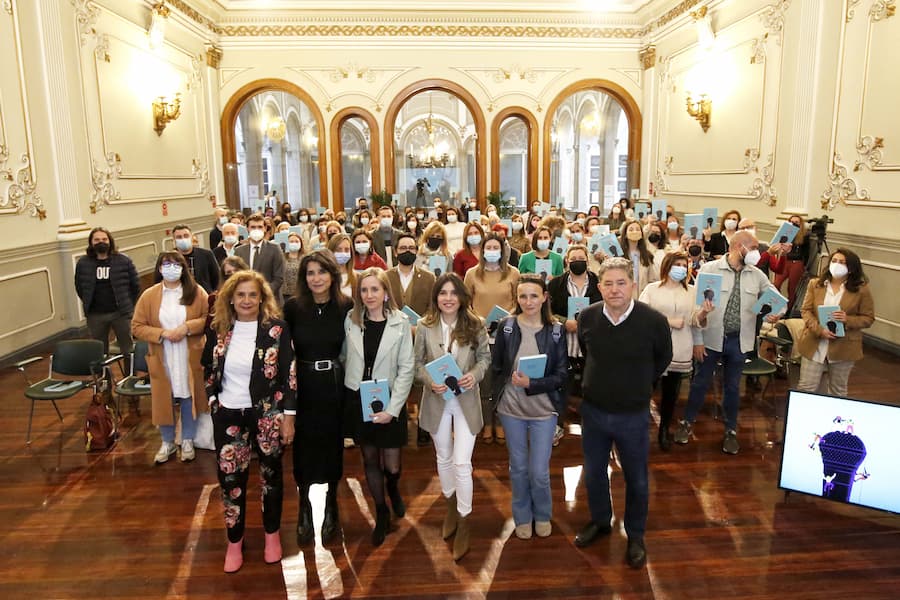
(315, 317)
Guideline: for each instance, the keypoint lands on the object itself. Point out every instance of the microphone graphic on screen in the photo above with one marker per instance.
(376, 405)
(453, 383)
(709, 294)
(659, 215)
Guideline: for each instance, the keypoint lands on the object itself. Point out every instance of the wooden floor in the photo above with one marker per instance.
(80, 525)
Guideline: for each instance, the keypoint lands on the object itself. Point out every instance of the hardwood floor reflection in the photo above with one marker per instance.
(111, 525)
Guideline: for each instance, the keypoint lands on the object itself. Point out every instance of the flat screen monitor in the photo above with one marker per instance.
(842, 449)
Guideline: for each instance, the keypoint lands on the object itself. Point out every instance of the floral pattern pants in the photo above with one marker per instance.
(235, 431)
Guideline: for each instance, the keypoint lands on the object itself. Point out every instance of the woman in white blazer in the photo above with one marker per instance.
(452, 327)
(379, 346)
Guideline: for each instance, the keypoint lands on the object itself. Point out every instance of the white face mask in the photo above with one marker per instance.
(473, 240)
(577, 236)
(304, 218)
(492, 214)
(731, 224)
(412, 225)
(171, 272)
(386, 222)
(342, 258)
(673, 226)
(257, 234)
(362, 247)
(451, 218)
(543, 245)
(751, 258)
(517, 225)
(616, 210)
(231, 240)
(184, 244)
(493, 256)
(838, 270)
(223, 220)
(293, 246)
(364, 220)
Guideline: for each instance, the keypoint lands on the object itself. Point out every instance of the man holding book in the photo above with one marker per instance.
(627, 346)
(730, 333)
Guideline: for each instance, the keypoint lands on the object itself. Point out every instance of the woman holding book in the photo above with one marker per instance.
(675, 298)
(540, 250)
(636, 248)
(434, 243)
(451, 327)
(492, 283)
(797, 257)
(470, 254)
(517, 239)
(717, 243)
(529, 369)
(378, 348)
(844, 287)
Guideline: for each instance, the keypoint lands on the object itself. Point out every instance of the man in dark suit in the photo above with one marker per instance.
(262, 256)
(385, 237)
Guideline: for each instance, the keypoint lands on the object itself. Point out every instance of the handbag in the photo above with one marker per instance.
(203, 436)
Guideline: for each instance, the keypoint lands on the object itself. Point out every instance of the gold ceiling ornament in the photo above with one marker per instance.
(851, 10)
(276, 129)
(433, 31)
(773, 19)
(870, 151)
(883, 9)
(102, 180)
(647, 55)
(841, 187)
(194, 15)
(762, 188)
(21, 189)
(213, 56)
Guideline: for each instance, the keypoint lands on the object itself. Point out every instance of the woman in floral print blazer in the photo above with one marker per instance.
(249, 382)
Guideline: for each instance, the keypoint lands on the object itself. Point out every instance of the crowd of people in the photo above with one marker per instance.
(324, 336)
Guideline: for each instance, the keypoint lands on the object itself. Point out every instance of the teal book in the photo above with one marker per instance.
(693, 226)
(545, 208)
(474, 216)
(243, 232)
(835, 327)
(445, 371)
(576, 305)
(595, 244)
(533, 367)
(413, 315)
(709, 287)
(437, 264)
(508, 223)
(495, 315)
(374, 395)
(771, 302)
(609, 244)
(560, 245)
(544, 268)
(658, 208)
(710, 216)
(641, 210)
(785, 234)
(281, 238)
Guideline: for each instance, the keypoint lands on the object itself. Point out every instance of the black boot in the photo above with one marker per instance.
(391, 481)
(305, 530)
(665, 438)
(331, 523)
(422, 437)
(382, 523)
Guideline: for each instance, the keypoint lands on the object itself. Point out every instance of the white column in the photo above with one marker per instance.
(648, 123)
(214, 134)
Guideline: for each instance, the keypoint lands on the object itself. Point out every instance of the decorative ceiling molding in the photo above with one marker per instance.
(647, 54)
(431, 30)
(86, 15)
(102, 180)
(634, 75)
(869, 149)
(762, 187)
(882, 9)
(195, 15)
(841, 187)
(21, 191)
(851, 9)
(773, 19)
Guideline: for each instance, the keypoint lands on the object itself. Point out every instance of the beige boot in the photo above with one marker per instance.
(450, 520)
(461, 541)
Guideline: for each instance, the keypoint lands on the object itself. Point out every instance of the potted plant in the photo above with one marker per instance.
(379, 199)
(504, 206)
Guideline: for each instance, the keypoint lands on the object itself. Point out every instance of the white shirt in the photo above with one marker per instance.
(173, 314)
(622, 318)
(575, 292)
(238, 366)
(406, 279)
(254, 250)
(831, 299)
(446, 332)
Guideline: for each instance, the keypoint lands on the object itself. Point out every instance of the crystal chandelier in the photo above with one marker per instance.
(430, 158)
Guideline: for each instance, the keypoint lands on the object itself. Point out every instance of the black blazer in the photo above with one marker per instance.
(558, 288)
(270, 264)
(273, 381)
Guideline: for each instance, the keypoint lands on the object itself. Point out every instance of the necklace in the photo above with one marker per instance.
(320, 308)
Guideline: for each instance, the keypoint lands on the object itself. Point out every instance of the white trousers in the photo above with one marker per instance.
(453, 444)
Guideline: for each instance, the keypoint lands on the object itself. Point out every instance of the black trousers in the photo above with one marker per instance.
(236, 432)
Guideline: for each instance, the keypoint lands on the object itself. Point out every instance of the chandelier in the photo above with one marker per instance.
(276, 129)
(430, 157)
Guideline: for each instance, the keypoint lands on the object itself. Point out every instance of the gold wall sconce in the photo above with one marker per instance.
(700, 109)
(165, 111)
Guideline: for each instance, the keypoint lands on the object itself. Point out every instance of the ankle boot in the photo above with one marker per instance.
(392, 480)
(305, 530)
(382, 522)
(234, 556)
(461, 541)
(272, 552)
(450, 519)
(331, 523)
(664, 437)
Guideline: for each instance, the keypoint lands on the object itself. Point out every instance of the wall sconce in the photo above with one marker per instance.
(157, 31)
(700, 109)
(164, 112)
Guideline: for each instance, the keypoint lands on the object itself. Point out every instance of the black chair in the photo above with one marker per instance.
(73, 358)
(134, 386)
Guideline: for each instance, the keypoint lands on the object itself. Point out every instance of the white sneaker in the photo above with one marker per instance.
(187, 451)
(165, 451)
(558, 435)
(523, 531)
(349, 443)
(543, 528)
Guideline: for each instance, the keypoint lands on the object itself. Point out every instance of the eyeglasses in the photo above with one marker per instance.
(406, 248)
(167, 263)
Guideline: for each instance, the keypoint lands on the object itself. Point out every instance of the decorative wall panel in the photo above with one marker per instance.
(27, 301)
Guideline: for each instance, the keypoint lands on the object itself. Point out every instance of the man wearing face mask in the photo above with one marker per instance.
(384, 237)
(215, 234)
(201, 262)
(263, 257)
(770, 257)
(108, 286)
(229, 243)
(729, 336)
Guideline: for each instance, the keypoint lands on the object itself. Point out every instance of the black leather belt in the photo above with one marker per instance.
(320, 365)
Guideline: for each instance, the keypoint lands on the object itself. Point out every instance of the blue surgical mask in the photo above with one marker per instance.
(577, 236)
(171, 272)
(543, 245)
(677, 273)
(493, 256)
(473, 240)
(342, 258)
(184, 244)
(293, 246)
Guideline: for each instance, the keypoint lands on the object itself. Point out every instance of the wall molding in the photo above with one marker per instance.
(50, 317)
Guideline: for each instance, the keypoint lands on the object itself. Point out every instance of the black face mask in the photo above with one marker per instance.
(653, 238)
(342, 221)
(434, 242)
(578, 267)
(101, 248)
(406, 258)
(694, 251)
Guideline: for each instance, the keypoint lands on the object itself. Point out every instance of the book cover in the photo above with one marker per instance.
(602, 230)
(432, 214)
(533, 366)
(710, 217)
(785, 234)
(658, 208)
(693, 225)
(444, 370)
(560, 245)
(374, 395)
(609, 244)
(544, 268)
(298, 229)
(495, 315)
(771, 302)
(474, 215)
(243, 232)
(576, 305)
(281, 238)
(835, 327)
(437, 264)
(545, 208)
(320, 210)
(413, 315)
(508, 223)
(709, 287)
(641, 210)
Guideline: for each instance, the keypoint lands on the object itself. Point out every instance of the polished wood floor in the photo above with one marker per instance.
(110, 525)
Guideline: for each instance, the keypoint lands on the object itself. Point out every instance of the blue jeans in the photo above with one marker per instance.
(529, 443)
(629, 432)
(188, 425)
(733, 365)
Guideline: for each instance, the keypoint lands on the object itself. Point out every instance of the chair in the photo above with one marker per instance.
(133, 386)
(75, 358)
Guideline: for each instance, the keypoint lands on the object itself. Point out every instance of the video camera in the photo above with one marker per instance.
(818, 225)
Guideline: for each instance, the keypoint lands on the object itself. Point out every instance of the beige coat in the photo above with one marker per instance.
(860, 311)
(475, 360)
(145, 326)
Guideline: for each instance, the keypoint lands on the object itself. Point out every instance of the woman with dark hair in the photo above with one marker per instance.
(636, 248)
(315, 318)
(250, 382)
(342, 249)
(285, 213)
(529, 407)
(674, 298)
(517, 239)
(452, 327)
(470, 254)
(171, 317)
(717, 243)
(796, 259)
(540, 244)
(456, 231)
(364, 251)
(616, 217)
(845, 286)
(107, 284)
